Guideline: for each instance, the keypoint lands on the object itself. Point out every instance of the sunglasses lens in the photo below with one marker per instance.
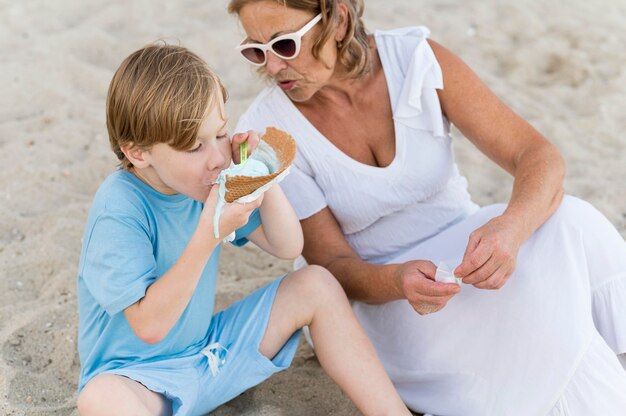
(285, 48)
(254, 55)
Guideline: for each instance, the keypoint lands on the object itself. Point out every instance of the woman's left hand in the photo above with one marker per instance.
(253, 139)
(491, 253)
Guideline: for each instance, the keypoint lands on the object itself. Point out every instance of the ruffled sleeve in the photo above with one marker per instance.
(407, 54)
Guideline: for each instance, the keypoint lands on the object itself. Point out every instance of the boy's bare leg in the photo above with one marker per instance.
(312, 296)
(109, 394)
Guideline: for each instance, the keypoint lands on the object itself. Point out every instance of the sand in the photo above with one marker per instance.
(562, 67)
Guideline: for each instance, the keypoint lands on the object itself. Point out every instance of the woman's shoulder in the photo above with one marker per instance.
(413, 74)
(397, 48)
(421, 32)
(404, 37)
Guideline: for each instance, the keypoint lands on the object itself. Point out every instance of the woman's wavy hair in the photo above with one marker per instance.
(354, 50)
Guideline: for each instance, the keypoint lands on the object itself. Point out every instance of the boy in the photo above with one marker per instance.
(146, 282)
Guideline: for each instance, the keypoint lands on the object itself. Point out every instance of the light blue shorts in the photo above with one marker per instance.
(229, 365)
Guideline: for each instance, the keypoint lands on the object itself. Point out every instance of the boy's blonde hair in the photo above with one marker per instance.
(159, 94)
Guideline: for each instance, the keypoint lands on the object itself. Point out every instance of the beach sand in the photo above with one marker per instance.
(562, 67)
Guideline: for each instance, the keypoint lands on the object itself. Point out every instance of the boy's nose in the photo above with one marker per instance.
(217, 159)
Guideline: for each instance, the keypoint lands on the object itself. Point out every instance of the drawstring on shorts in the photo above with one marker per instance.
(216, 356)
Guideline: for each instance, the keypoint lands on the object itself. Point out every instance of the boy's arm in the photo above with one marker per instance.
(154, 315)
(280, 233)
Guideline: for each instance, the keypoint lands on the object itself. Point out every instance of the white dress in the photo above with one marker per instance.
(543, 344)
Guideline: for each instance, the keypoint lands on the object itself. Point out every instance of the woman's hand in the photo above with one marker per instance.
(491, 253)
(251, 137)
(417, 282)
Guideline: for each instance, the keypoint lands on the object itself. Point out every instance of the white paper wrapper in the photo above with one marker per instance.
(445, 275)
(243, 200)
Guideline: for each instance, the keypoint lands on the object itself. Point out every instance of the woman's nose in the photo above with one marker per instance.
(274, 64)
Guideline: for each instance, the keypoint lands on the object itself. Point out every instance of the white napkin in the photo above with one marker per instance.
(445, 275)
(263, 154)
(244, 199)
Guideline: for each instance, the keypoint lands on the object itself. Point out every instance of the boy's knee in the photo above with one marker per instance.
(91, 397)
(319, 282)
(97, 395)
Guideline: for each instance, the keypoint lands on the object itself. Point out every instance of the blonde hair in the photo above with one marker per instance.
(159, 94)
(354, 50)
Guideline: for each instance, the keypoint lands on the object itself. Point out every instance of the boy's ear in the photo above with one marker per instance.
(135, 155)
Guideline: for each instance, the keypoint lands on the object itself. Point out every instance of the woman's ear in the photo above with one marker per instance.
(342, 21)
(135, 155)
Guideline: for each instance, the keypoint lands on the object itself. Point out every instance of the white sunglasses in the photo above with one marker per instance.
(285, 46)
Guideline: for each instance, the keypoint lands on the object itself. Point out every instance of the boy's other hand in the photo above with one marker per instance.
(252, 137)
(234, 215)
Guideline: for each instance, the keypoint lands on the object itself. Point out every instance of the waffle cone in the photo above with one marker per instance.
(285, 147)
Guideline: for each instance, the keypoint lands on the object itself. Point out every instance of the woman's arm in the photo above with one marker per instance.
(536, 165)
(280, 233)
(325, 245)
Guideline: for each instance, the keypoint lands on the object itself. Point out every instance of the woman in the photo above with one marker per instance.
(380, 200)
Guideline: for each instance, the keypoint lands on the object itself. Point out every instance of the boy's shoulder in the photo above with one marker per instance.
(121, 192)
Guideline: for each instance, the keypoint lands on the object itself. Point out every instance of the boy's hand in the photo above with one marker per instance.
(252, 137)
(234, 215)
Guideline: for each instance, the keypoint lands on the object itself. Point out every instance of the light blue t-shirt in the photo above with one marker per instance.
(133, 235)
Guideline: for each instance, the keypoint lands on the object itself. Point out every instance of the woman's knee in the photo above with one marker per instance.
(575, 213)
(578, 214)
(573, 209)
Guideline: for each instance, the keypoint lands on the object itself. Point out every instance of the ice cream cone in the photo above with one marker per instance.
(284, 145)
